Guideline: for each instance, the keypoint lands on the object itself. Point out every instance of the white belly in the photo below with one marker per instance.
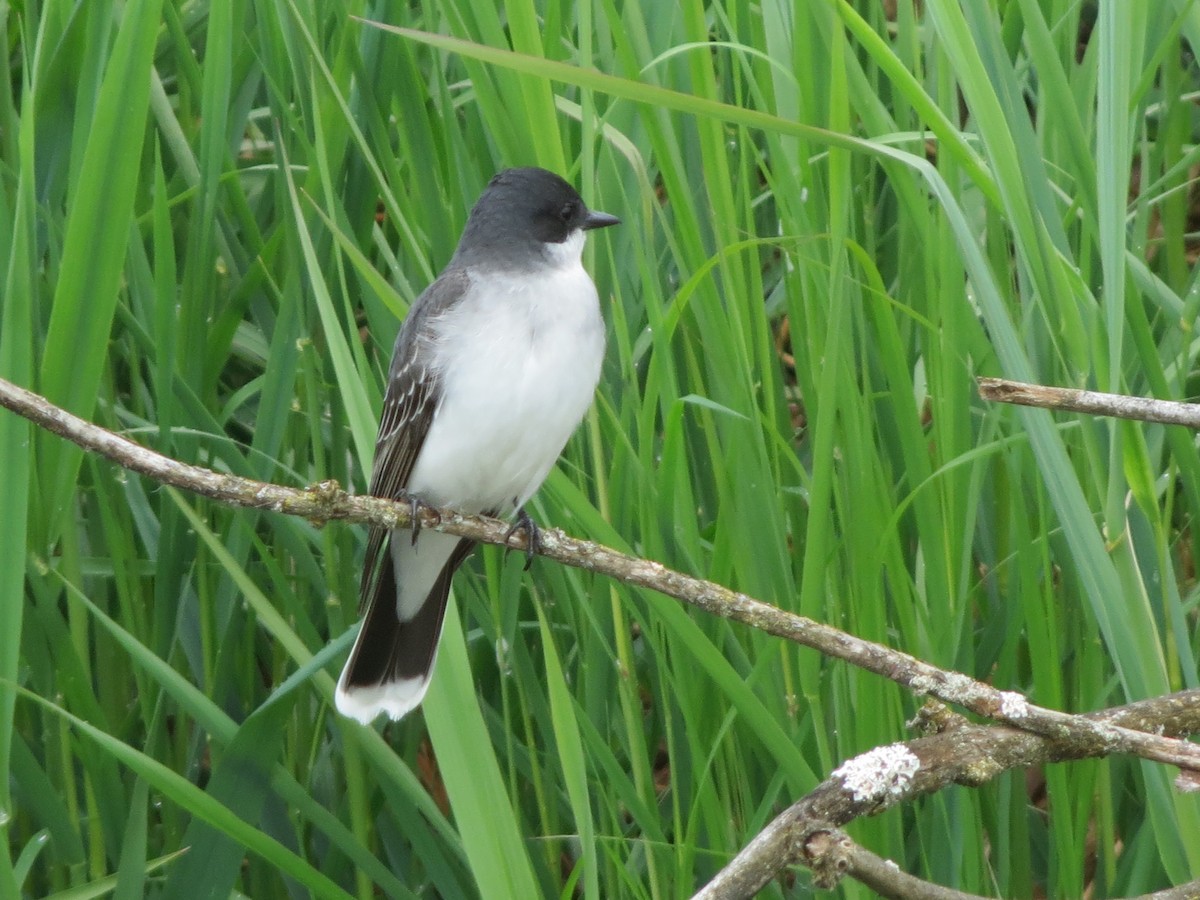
(524, 368)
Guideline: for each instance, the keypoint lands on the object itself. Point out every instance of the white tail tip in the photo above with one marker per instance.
(395, 698)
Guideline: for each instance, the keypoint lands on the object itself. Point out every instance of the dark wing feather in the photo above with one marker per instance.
(409, 405)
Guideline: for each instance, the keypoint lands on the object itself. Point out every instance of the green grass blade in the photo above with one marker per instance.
(179, 790)
(483, 811)
(97, 229)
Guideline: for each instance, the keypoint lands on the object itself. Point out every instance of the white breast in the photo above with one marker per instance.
(520, 359)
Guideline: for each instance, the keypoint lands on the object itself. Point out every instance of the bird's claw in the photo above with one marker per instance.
(533, 536)
(415, 505)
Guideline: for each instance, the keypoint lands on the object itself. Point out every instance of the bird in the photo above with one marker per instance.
(493, 369)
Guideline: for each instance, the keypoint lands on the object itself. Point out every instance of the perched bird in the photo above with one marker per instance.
(492, 371)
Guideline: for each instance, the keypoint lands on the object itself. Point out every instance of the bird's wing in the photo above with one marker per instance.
(412, 397)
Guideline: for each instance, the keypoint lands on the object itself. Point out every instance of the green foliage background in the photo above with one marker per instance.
(213, 216)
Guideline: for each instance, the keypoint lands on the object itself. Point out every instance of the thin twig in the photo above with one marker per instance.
(1121, 406)
(327, 501)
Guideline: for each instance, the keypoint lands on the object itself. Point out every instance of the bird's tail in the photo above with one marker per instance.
(403, 605)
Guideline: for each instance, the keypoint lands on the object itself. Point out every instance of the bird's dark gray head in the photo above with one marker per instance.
(522, 216)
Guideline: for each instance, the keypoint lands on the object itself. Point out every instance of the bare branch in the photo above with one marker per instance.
(881, 875)
(1143, 409)
(328, 501)
(959, 753)
(1189, 891)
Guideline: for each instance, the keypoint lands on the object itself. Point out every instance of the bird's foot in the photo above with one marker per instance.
(415, 505)
(533, 535)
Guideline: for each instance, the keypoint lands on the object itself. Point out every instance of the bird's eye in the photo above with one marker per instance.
(567, 211)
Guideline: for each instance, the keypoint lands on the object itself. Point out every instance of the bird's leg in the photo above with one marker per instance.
(415, 505)
(533, 535)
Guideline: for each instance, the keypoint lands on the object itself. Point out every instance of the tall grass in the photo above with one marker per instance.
(214, 215)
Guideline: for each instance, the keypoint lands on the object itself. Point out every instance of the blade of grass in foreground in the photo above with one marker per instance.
(223, 730)
(179, 790)
(97, 229)
(570, 754)
(16, 364)
(482, 808)
(110, 884)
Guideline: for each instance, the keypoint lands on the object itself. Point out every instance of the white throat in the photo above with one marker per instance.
(569, 253)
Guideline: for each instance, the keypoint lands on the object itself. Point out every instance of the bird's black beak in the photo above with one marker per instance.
(599, 220)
